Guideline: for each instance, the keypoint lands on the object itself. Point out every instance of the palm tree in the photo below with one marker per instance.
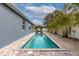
(61, 20)
(56, 21)
(71, 18)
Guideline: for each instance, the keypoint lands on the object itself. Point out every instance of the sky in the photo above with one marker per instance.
(36, 12)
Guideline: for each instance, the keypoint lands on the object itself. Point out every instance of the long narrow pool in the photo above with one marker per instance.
(40, 41)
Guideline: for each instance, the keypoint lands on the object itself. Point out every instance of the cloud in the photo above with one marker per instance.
(37, 22)
(37, 13)
(41, 9)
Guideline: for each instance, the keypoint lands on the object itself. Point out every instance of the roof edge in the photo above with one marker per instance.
(11, 6)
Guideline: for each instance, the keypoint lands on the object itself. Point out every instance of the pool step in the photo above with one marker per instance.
(43, 53)
(38, 52)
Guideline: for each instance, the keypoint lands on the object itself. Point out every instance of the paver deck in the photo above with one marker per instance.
(52, 52)
(70, 47)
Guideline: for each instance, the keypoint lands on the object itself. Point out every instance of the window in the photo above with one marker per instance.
(29, 26)
(23, 24)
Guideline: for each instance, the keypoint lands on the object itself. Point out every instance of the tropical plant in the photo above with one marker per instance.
(61, 20)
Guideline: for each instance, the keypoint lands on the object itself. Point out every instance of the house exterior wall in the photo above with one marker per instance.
(11, 26)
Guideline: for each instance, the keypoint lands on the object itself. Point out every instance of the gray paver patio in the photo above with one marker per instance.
(70, 47)
(55, 52)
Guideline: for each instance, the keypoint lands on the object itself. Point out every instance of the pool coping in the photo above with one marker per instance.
(53, 40)
(60, 48)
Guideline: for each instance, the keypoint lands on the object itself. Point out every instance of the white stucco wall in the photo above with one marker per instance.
(11, 26)
(75, 33)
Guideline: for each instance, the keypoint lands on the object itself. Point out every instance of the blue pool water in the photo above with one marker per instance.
(40, 41)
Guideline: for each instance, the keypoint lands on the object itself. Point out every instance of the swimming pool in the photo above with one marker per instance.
(40, 41)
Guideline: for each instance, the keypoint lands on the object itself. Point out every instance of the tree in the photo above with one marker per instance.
(73, 15)
(61, 20)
